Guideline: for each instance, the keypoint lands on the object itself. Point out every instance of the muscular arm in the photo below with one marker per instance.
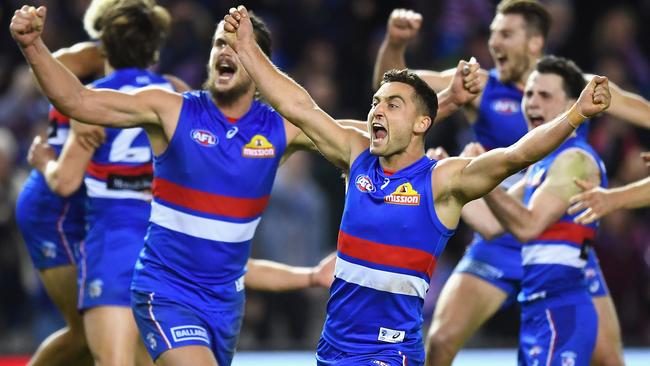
(339, 145)
(550, 200)
(82, 59)
(628, 106)
(266, 275)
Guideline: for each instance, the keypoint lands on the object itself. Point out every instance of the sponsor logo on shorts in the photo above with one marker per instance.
(48, 249)
(151, 340)
(95, 288)
(568, 358)
(535, 351)
(505, 106)
(204, 138)
(391, 335)
(404, 195)
(364, 183)
(380, 363)
(239, 284)
(189, 332)
(258, 147)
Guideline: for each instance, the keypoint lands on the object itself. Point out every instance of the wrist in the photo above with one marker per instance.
(575, 117)
(395, 44)
(311, 278)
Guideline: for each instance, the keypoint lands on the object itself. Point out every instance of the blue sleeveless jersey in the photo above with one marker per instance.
(210, 188)
(389, 241)
(52, 226)
(554, 261)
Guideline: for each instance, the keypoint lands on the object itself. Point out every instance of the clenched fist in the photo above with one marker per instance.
(27, 24)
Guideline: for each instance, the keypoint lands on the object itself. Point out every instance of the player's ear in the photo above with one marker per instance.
(422, 125)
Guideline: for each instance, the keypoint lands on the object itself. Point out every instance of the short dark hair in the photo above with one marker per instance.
(262, 33)
(538, 19)
(573, 80)
(425, 99)
(132, 33)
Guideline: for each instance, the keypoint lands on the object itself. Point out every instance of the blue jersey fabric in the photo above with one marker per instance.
(118, 181)
(52, 226)
(389, 241)
(210, 188)
(554, 262)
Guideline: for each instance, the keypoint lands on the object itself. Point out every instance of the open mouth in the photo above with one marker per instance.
(501, 60)
(226, 70)
(536, 120)
(379, 132)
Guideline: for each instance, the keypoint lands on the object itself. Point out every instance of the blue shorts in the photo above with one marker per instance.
(109, 253)
(178, 314)
(558, 334)
(52, 226)
(594, 276)
(497, 262)
(328, 355)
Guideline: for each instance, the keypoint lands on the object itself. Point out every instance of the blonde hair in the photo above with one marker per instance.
(97, 9)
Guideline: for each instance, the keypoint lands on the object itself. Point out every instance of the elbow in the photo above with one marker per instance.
(525, 235)
(491, 234)
(518, 159)
(63, 187)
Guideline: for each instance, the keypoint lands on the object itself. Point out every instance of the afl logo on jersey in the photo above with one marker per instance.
(404, 195)
(364, 184)
(505, 106)
(258, 147)
(204, 138)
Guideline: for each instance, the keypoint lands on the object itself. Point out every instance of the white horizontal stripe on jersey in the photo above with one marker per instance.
(201, 227)
(97, 189)
(396, 283)
(552, 254)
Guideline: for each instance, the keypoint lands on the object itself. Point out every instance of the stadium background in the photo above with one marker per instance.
(329, 47)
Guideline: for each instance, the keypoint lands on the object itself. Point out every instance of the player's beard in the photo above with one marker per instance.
(229, 96)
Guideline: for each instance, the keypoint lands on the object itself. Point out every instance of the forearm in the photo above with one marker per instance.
(630, 107)
(446, 105)
(633, 195)
(58, 83)
(541, 141)
(276, 277)
(511, 214)
(82, 59)
(61, 184)
(480, 218)
(390, 56)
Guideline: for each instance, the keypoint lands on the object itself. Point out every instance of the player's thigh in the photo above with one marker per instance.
(61, 285)
(187, 356)
(465, 303)
(111, 330)
(608, 341)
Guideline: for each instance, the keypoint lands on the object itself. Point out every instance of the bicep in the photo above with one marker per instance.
(438, 81)
(111, 108)
(482, 174)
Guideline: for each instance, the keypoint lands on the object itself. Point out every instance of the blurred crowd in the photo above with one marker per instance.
(329, 47)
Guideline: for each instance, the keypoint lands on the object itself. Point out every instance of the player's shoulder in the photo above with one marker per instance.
(574, 161)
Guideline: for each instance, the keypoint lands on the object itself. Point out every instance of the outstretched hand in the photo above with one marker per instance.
(238, 27)
(595, 97)
(595, 201)
(466, 82)
(27, 24)
(403, 26)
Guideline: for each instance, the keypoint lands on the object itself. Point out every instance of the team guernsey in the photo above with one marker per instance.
(389, 241)
(118, 184)
(501, 123)
(210, 188)
(559, 321)
(52, 226)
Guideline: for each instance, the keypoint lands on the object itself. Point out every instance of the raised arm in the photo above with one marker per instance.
(337, 144)
(598, 202)
(83, 59)
(473, 178)
(68, 95)
(549, 202)
(628, 106)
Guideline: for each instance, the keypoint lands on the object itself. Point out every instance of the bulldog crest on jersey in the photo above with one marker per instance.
(404, 194)
(258, 147)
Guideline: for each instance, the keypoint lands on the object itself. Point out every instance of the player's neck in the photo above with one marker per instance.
(399, 161)
(236, 108)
